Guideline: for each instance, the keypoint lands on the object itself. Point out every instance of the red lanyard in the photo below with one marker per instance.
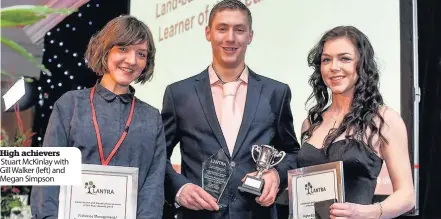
(97, 130)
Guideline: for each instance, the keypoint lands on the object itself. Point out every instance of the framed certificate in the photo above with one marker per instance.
(312, 190)
(106, 192)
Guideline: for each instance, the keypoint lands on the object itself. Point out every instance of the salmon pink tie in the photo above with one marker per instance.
(231, 115)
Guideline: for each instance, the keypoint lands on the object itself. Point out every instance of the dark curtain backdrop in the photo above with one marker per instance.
(429, 30)
(429, 69)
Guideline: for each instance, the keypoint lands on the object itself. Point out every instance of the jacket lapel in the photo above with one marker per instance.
(252, 100)
(203, 91)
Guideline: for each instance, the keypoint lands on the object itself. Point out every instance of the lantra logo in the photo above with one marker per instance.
(92, 189)
(311, 190)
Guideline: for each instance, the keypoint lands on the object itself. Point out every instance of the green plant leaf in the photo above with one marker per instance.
(15, 202)
(28, 80)
(22, 51)
(21, 15)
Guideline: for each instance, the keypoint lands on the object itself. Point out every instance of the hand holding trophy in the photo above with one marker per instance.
(216, 172)
(267, 158)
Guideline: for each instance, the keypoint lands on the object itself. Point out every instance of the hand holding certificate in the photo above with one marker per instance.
(313, 189)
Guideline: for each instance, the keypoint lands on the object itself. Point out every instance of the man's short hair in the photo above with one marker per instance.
(230, 5)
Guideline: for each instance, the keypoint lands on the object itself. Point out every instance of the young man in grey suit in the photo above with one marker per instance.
(227, 108)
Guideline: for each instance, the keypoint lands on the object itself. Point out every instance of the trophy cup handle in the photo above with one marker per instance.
(281, 154)
(257, 149)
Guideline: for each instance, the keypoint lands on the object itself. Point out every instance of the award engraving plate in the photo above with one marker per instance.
(107, 192)
(216, 172)
(312, 190)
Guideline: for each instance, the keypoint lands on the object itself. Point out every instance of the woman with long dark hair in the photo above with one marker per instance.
(349, 122)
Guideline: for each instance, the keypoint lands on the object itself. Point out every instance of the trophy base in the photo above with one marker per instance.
(252, 185)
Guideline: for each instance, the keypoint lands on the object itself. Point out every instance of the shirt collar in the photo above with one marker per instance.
(215, 79)
(110, 96)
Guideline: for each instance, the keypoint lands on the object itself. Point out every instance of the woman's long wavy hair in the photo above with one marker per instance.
(366, 101)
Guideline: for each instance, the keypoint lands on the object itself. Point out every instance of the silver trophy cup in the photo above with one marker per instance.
(267, 157)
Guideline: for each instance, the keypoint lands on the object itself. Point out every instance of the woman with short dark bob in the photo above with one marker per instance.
(350, 122)
(107, 122)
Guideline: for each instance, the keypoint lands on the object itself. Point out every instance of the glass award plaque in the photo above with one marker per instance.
(216, 172)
